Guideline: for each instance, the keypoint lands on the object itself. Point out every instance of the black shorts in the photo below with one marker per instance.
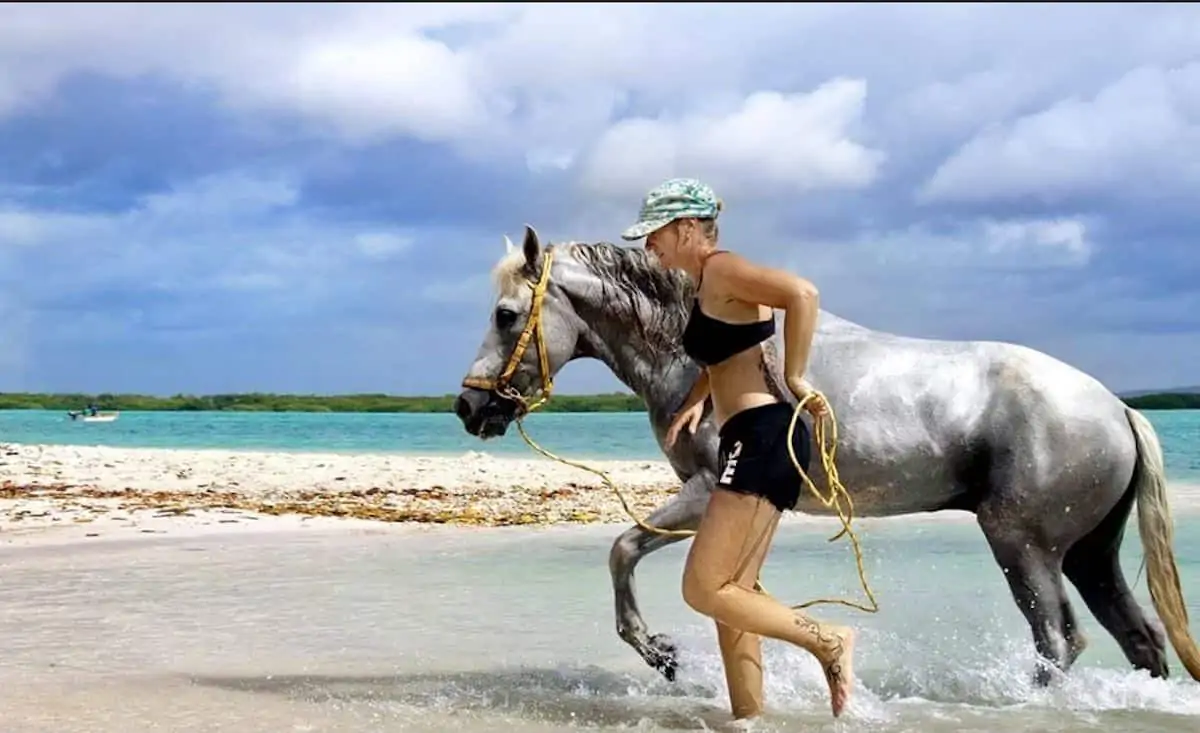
(753, 456)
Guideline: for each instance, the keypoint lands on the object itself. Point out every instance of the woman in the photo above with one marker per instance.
(730, 318)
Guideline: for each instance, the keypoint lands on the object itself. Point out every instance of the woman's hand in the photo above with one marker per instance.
(689, 417)
(801, 388)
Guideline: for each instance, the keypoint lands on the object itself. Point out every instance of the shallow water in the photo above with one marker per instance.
(513, 630)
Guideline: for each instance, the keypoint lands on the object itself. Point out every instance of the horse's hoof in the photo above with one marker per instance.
(1044, 673)
(661, 655)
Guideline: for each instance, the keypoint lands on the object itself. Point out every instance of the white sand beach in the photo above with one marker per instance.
(103, 492)
(99, 490)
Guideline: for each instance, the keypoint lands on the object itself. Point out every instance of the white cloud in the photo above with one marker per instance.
(1063, 239)
(1131, 130)
(225, 195)
(26, 228)
(796, 142)
(372, 90)
(549, 78)
(382, 245)
(363, 73)
(975, 279)
(983, 244)
(238, 231)
(548, 83)
(19, 229)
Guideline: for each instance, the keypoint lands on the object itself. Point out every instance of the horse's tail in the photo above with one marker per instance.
(1155, 527)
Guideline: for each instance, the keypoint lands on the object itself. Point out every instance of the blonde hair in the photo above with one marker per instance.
(709, 227)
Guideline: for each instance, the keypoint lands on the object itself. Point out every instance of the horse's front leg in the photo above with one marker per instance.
(682, 512)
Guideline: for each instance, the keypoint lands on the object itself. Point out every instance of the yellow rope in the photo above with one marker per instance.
(833, 501)
(609, 482)
(836, 491)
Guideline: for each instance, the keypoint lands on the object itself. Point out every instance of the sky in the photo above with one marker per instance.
(308, 198)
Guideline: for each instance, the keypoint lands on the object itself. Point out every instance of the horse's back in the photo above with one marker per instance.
(1065, 422)
(908, 411)
(959, 380)
(928, 424)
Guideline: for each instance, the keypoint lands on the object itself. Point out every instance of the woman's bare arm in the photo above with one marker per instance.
(794, 295)
(698, 393)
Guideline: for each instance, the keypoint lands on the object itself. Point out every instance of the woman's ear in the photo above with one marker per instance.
(689, 229)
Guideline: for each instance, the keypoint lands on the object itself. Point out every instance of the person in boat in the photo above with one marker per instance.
(731, 315)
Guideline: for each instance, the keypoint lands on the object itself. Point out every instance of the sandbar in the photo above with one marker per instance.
(54, 493)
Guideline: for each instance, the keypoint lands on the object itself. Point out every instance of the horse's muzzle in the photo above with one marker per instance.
(484, 413)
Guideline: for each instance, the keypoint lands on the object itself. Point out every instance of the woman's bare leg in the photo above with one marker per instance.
(735, 532)
(741, 651)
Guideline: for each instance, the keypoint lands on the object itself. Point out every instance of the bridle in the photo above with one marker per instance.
(501, 385)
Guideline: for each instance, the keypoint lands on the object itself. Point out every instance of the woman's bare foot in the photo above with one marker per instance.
(833, 646)
(837, 663)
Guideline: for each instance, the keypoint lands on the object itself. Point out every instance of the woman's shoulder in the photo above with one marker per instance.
(722, 262)
(743, 278)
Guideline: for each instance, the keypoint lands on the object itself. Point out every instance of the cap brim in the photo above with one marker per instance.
(643, 229)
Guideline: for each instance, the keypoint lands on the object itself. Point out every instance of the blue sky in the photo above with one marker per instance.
(308, 198)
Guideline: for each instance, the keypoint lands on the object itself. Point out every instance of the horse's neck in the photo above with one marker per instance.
(657, 378)
(652, 371)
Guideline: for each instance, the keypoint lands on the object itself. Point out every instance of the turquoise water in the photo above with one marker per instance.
(592, 435)
(596, 435)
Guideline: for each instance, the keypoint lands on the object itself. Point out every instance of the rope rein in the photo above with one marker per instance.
(826, 439)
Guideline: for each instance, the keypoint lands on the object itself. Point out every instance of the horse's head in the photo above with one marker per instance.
(532, 333)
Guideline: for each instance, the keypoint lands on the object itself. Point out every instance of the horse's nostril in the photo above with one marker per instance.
(462, 408)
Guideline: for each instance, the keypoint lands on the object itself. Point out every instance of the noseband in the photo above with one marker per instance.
(502, 384)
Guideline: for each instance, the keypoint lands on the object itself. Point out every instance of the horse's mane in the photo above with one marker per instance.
(634, 277)
(628, 275)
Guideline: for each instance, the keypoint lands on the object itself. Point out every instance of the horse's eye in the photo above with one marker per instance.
(505, 318)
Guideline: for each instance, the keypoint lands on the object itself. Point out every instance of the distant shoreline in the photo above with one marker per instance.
(384, 403)
(266, 402)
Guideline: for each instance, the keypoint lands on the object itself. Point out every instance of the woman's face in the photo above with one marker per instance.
(665, 244)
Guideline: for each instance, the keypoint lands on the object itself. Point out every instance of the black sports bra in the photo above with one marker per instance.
(711, 341)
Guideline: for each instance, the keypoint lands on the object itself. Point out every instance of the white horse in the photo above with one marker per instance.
(1049, 460)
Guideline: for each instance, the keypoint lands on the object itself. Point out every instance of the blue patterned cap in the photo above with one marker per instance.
(676, 198)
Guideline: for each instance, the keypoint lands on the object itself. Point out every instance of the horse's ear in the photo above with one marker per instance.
(508, 245)
(532, 248)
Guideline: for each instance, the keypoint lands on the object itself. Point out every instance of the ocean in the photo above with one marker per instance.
(512, 629)
(591, 435)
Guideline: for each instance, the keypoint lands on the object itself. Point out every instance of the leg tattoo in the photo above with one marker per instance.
(833, 648)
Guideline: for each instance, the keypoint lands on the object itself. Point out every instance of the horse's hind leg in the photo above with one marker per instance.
(1035, 580)
(681, 512)
(1093, 566)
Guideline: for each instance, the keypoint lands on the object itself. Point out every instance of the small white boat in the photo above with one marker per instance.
(98, 417)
